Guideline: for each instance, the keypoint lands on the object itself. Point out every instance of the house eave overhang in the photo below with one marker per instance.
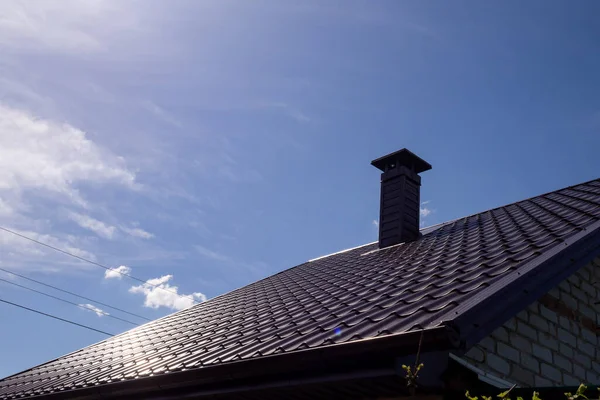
(366, 355)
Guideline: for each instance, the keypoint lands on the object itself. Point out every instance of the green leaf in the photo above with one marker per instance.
(468, 396)
(580, 390)
(504, 395)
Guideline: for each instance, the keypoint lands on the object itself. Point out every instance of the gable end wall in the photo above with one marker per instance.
(554, 342)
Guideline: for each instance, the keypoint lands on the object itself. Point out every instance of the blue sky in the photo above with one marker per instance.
(205, 145)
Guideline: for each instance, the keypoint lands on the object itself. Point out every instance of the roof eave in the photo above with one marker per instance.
(434, 339)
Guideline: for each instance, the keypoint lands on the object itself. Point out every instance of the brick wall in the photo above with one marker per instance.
(553, 342)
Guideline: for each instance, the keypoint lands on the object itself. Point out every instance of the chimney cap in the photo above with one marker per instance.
(403, 157)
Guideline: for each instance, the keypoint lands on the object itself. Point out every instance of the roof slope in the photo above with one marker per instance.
(361, 293)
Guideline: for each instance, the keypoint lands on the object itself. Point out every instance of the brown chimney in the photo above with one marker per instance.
(400, 197)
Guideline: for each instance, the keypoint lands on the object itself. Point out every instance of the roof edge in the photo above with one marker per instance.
(407, 343)
(340, 252)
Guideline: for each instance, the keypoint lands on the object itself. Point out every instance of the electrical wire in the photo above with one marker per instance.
(83, 306)
(55, 317)
(95, 263)
(74, 294)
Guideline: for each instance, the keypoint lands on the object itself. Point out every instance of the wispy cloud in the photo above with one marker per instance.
(137, 232)
(213, 255)
(159, 293)
(47, 164)
(375, 223)
(288, 110)
(23, 250)
(5, 209)
(240, 175)
(98, 227)
(117, 273)
(52, 158)
(22, 93)
(424, 210)
(68, 26)
(256, 268)
(103, 229)
(90, 307)
(162, 114)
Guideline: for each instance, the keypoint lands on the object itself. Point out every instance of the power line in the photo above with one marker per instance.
(95, 263)
(74, 294)
(83, 306)
(55, 317)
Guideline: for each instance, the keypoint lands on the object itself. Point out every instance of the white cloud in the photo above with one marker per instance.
(117, 273)
(159, 293)
(98, 227)
(138, 232)
(46, 164)
(90, 307)
(52, 158)
(375, 223)
(425, 211)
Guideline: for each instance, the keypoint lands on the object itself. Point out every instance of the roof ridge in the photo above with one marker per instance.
(433, 227)
(521, 201)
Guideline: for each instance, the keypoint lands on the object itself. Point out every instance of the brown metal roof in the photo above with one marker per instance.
(362, 293)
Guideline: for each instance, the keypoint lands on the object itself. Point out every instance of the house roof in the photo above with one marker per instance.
(451, 277)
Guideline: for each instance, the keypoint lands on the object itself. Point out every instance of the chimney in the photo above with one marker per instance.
(400, 197)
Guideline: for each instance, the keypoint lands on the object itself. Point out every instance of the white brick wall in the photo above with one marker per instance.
(553, 342)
